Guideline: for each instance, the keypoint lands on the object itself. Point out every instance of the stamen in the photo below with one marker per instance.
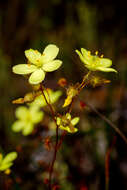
(102, 56)
(0, 156)
(7, 172)
(96, 53)
(28, 63)
(89, 53)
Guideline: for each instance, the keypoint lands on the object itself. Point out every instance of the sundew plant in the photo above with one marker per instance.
(64, 122)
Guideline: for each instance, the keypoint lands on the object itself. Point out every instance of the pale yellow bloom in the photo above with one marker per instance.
(94, 62)
(67, 123)
(39, 63)
(51, 96)
(27, 118)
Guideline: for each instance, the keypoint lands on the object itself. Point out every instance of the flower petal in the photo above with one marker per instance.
(105, 62)
(86, 54)
(28, 129)
(17, 126)
(50, 52)
(68, 116)
(58, 120)
(37, 76)
(54, 96)
(80, 55)
(23, 69)
(67, 128)
(5, 166)
(39, 101)
(33, 56)
(52, 66)
(104, 69)
(36, 114)
(9, 157)
(21, 112)
(75, 120)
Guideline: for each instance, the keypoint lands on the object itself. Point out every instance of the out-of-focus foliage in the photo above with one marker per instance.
(26, 119)
(96, 25)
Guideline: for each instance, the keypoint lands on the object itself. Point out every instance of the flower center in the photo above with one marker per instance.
(64, 121)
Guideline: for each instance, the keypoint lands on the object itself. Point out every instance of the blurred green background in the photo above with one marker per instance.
(94, 25)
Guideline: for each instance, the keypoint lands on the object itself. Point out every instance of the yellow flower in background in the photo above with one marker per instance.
(27, 118)
(67, 123)
(7, 161)
(51, 96)
(94, 62)
(39, 63)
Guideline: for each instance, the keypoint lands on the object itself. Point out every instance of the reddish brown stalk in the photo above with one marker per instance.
(61, 139)
(80, 87)
(108, 121)
(107, 160)
(56, 143)
(53, 160)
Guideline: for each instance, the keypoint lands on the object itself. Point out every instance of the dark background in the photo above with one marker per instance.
(94, 25)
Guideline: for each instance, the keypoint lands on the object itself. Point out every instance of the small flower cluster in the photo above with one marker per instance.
(37, 66)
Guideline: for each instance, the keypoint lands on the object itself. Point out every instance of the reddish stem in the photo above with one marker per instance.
(107, 160)
(56, 144)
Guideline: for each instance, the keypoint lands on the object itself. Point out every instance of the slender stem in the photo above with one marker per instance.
(84, 80)
(107, 163)
(61, 139)
(79, 88)
(53, 160)
(108, 121)
(56, 143)
(48, 103)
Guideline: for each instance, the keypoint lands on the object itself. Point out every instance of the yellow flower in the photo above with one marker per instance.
(27, 118)
(39, 63)
(94, 62)
(7, 161)
(66, 123)
(50, 95)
